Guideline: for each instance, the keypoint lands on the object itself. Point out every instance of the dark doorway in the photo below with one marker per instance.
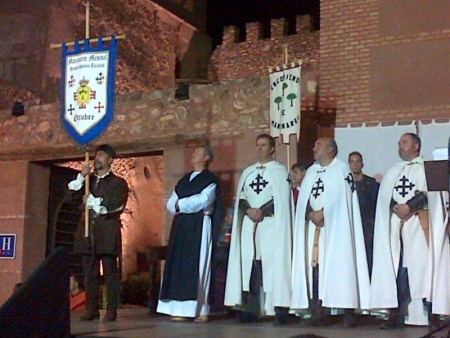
(64, 214)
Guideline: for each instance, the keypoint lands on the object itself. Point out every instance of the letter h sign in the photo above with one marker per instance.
(7, 246)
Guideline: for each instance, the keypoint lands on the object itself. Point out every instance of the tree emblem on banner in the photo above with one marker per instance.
(285, 102)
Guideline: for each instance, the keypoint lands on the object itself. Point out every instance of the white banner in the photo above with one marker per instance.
(285, 102)
(86, 89)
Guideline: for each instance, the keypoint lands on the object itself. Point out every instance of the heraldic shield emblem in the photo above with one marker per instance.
(87, 83)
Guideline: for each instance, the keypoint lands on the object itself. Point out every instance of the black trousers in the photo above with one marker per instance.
(91, 268)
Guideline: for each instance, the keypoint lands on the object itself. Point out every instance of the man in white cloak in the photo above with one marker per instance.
(261, 240)
(329, 260)
(411, 250)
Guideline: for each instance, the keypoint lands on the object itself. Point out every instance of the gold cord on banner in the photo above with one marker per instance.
(284, 60)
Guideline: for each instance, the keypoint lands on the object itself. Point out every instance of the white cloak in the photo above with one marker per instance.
(343, 272)
(281, 240)
(428, 267)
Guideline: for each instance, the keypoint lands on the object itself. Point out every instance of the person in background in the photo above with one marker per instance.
(221, 259)
(367, 190)
(298, 172)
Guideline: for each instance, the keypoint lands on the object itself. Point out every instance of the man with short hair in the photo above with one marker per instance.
(195, 206)
(329, 266)
(411, 249)
(259, 265)
(298, 172)
(367, 189)
(106, 201)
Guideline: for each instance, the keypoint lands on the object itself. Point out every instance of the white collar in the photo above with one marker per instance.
(103, 176)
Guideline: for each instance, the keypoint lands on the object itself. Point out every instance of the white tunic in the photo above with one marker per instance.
(343, 272)
(428, 267)
(259, 184)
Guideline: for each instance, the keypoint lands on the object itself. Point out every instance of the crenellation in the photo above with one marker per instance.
(303, 23)
(230, 35)
(245, 59)
(278, 28)
(253, 32)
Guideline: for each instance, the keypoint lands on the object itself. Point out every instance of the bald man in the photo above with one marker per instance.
(329, 261)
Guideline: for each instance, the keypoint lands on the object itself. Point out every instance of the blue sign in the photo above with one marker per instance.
(87, 84)
(7, 246)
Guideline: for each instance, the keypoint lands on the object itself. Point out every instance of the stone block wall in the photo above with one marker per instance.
(155, 40)
(147, 121)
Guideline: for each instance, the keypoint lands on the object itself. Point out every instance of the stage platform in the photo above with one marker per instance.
(137, 322)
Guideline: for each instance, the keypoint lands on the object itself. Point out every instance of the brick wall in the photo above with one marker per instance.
(384, 61)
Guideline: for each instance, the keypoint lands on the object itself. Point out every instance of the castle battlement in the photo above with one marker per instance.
(254, 31)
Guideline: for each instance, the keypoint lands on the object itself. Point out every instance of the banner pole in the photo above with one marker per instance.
(288, 148)
(88, 5)
(86, 149)
(86, 192)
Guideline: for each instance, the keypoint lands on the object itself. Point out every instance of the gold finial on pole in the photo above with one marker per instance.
(88, 7)
(285, 54)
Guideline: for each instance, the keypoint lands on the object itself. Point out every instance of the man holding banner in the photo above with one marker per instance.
(106, 201)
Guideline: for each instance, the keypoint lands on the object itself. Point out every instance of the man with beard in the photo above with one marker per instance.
(329, 268)
(106, 201)
(259, 264)
(367, 189)
(195, 207)
(411, 251)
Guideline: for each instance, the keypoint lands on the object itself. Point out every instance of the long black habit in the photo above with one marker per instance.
(181, 273)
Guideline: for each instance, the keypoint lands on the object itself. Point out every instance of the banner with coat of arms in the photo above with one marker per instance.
(87, 83)
(285, 102)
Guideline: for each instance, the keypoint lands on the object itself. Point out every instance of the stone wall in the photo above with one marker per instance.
(147, 121)
(155, 41)
(23, 29)
(384, 61)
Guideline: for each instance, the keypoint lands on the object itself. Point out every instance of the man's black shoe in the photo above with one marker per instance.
(246, 317)
(392, 325)
(434, 322)
(313, 321)
(89, 316)
(349, 320)
(280, 320)
(111, 315)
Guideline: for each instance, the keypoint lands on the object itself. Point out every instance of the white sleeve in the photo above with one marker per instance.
(198, 202)
(170, 205)
(77, 184)
(95, 203)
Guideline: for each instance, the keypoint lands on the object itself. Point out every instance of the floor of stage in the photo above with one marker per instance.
(136, 322)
